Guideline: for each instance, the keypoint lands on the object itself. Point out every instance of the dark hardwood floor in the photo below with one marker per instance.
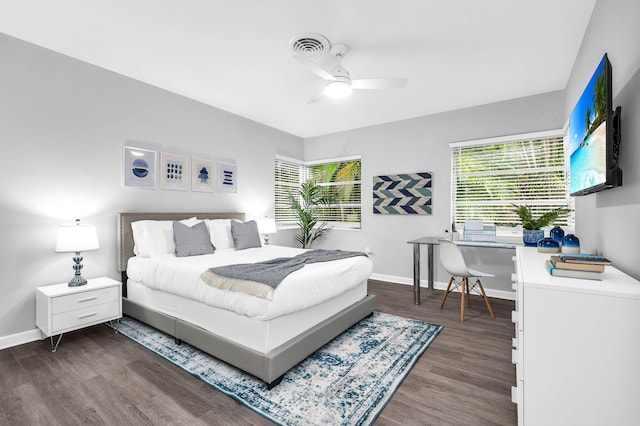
(97, 377)
(465, 376)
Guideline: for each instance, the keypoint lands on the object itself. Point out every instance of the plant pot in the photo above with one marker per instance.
(530, 237)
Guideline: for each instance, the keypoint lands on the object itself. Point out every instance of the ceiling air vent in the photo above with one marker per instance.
(309, 44)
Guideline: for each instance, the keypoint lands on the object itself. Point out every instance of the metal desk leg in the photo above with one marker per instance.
(416, 273)
(430, 264)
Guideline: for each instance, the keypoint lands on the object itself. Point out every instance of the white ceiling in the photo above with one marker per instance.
(235, 55)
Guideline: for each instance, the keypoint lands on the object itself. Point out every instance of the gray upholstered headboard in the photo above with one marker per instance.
(125, 235)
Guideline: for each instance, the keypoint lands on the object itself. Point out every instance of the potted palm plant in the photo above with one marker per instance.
(306, 203)
(532, 226)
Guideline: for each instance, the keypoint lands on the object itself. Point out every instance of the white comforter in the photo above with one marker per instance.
(306, 287)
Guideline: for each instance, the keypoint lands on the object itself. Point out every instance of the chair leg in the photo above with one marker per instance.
(486, 299)
(468, 298)
(462, 297)
(446, 293)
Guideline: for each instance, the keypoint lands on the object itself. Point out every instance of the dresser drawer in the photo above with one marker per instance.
(70, 302)
(86, 316)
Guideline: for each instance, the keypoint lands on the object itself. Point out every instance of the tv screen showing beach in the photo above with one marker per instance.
(588, 134)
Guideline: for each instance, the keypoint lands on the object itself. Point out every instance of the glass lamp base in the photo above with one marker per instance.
(77, 281)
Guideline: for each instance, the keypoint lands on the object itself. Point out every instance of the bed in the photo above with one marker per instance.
(264, 336)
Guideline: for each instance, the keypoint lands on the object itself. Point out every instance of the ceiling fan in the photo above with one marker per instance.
(339, 83)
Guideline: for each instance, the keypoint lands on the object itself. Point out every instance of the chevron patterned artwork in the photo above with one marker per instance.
(406, 193)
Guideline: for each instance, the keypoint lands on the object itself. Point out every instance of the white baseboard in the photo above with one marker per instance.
(20, 338)
(397, 280)
(498, 294)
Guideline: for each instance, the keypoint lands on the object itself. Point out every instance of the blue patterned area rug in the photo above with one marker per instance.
(347, 382)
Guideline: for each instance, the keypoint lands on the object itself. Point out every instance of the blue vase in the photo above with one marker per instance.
(570, 244)
(557, 233)
(548, 245)
(530, 237)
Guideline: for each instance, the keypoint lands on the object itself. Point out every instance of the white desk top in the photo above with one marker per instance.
(493, 244)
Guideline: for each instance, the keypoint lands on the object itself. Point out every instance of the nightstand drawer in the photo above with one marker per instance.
(84, 299)
(86, 316)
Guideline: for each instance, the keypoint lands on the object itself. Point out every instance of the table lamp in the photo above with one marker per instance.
(267, 226)
(75, 239)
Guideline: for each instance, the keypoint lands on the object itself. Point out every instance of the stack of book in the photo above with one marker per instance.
(577, 265)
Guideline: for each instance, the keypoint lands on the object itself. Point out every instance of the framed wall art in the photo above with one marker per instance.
(139, 167)
(202, 176)
(406, 193)
(174, 172)
(227, 177)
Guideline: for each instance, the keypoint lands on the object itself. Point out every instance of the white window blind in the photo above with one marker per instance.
(488, 178)
(341, 178)
(289, 174)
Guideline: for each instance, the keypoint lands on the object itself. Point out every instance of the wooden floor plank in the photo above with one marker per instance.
(98, 377)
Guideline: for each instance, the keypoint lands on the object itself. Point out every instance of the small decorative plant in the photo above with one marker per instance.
(546, 219)
(306, 203)
(532, 227)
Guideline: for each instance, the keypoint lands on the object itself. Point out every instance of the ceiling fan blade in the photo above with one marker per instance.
(378, 83)
(317, 69)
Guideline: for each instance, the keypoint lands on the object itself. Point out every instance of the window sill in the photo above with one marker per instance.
(338, 228)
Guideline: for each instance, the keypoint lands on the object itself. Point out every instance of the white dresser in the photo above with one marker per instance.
(577, 346)
(60, 308)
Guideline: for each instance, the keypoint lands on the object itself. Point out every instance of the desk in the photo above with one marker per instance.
(434, 241)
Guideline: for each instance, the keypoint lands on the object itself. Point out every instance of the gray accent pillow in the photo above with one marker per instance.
(245, 234)
(192, 241)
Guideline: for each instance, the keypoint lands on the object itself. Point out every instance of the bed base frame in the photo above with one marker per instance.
(269, 367)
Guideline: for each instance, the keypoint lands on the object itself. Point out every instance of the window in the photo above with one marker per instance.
(340, 177)
(489, 176)
(342, 180)
(289, 174)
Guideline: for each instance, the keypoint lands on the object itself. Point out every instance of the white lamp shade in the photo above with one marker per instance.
(77, 238)
(267, 226)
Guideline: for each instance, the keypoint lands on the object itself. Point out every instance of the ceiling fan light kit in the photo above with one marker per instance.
(338, 89)
(338, 81)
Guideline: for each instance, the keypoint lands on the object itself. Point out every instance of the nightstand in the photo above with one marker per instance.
(60, 308)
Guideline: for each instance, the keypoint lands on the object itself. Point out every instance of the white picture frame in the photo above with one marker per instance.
(227, 177)
(139, 167)
(203, 177)
(174, 172)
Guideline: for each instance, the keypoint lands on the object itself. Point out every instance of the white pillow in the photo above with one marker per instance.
(155, 237)
(141, 243)
(220, 233)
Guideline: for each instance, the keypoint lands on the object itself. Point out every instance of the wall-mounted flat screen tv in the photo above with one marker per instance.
(594, 137)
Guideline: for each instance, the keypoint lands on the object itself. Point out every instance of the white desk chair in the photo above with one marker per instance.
(453, 261)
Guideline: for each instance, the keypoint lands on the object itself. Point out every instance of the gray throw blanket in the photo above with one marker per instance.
(272, 272)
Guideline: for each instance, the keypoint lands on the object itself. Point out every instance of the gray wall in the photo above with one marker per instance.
(63, 124)
(607, 222)
(422, 145)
